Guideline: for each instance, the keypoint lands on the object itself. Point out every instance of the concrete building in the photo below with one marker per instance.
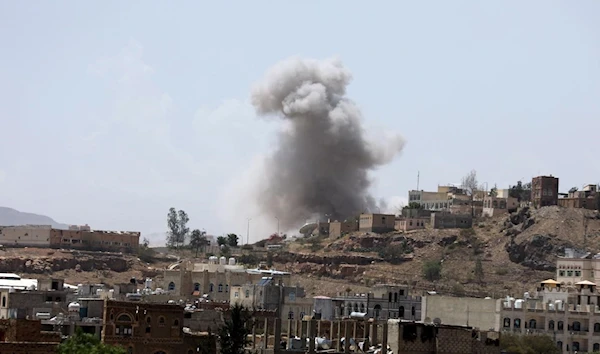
(407, 224)
(574, 267)
(544, 191)
(341, 228)
(379, 223)
(494, 205)
(461, 311)
(432, 200)
(588, 198)
(120, 241)
(214, 279)
(25, 236)
(443, 220)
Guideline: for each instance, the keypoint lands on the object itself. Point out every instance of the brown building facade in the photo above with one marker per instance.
(26, 336)
(379, 223)
(544, 191)
(95, 240)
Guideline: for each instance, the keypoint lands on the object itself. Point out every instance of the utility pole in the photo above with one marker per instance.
(277, 225)
(248, 232)
(418, 176)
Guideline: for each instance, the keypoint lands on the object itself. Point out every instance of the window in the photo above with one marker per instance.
(596, 327)
(247, 294)
(211, 287)
(226, 288)
(575, 346)
(561, 273)
(413, 312)
(291, 315)
(124, 318)
(401, 312)
(577, 273)
(236, 294)
(576, 326)
(532, 323)
(171, 286)
(196, 286)
(161, 321)
(176, 323)
(560, 325)
(395, 297)
(569, 273)
(559, 344)
(551, 324)
(596, 347)
(517, 323)
(3, 301)
(220, 288)
(506, 323)
(292, 296)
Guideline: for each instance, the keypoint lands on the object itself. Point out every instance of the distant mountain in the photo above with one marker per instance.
(12, 217)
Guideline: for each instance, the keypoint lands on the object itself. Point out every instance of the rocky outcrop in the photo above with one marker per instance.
(537, 253)
(49, 265)
(285, 257)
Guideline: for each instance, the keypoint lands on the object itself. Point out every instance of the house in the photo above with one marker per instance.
(339, 228)
(379, 223)
(588, 198)
(494, 205)
(443, 220)
(544, 191)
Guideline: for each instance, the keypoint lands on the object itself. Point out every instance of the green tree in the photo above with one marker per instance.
(269, 259)
(222, 240)
(198, 240)
(232, 240)
(178, 229)
(233, 335)
(479, 276)
(85, 343)
(413, 205)
(432, 270)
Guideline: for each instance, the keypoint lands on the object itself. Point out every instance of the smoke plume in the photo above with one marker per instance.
(320, 166)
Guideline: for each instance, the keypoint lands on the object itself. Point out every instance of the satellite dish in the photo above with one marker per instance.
(308, 228)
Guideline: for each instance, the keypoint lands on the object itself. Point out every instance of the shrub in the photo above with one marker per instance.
(501, 271)
(432, 270)
(247, 247)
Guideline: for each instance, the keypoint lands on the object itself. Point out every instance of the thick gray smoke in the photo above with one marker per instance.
(321, 163)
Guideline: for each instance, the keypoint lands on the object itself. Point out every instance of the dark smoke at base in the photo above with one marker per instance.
(321, 163)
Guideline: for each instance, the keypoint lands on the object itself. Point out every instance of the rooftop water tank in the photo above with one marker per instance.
(231, 261)
(519, 303)
(148, 284)
(74, 307)
(223, 261)
(213, 260)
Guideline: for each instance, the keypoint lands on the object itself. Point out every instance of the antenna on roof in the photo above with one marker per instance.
(418, 175)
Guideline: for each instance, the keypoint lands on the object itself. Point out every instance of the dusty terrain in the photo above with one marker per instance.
(516, 252)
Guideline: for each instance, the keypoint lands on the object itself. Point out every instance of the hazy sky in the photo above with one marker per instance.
(114, 111)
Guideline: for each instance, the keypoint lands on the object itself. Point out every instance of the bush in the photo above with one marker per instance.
(391, 253)
(432, 270)
(247, 247)
(501, 271)
(519, 344)
(248, 259)
(458, 289)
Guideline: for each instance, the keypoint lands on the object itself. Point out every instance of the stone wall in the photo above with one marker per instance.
(28, 348)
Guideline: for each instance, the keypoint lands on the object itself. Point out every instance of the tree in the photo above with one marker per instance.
(521, 191)
(222, 240)
(233, 335)
(145, 253)
(178, 230)
(470, 186)
(479, 276)
(198, 240)
(494, 191)
(413, 205)
(232, 240)
(432, 270)
(85, 343)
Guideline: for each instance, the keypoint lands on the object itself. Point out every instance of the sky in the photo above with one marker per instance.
(112, 112)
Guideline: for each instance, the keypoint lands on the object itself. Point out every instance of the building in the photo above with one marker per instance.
(379, 223)
(26, 336)
(494, 205)
(461, 311)
(96, 240)
(544, 191)
(25, 236)
(411, 337)
(148, 328)
(443, 220)
(290, 302)
(340, 228)
(48, 300)
(588, 198)
(574, 267)
(433, 200)
(408, 224)
(214, 279)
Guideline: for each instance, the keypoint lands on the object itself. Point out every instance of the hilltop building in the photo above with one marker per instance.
(544, 191)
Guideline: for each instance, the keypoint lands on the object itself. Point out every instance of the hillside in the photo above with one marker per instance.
(12, 217)
(516, 252)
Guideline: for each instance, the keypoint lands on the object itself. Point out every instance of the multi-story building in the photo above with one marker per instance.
(588, 198)
(213, 279)
(461, 311)
(78, 237)
(494, 205)
(290, 302)
(152, 328)
(407, 224)
(26, 336)
(544, 191)
(379, 223)
(432, 200)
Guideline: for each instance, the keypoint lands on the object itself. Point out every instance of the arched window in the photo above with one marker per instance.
(517, 322)
(355, 307)
(124, 318)
(596, 327)
(576, 327)
(220, 288)
(560, 325)
(395, 297)
(171, 286)
(506, 322)
(551, 324)
(196, 286)
(349, 312)
(362, 308)
(575, 346)
(161, 321)
(401, 312)
(123, 327)
(596, 347)
(211, 287)
(377, 311)
(3, 301)
(291, 315)
(559, 344)
(413, 312)
(532, 323)
(390, 297)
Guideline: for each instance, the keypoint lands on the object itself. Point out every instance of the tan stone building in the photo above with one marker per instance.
(494, 205)
(26, 235)
(340, 228)
(407, 224)
(379, 223)
(462, 311)
(122, 241)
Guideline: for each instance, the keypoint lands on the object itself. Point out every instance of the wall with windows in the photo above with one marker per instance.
(462, 311)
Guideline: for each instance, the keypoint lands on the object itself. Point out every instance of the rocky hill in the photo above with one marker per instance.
(515, 252)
